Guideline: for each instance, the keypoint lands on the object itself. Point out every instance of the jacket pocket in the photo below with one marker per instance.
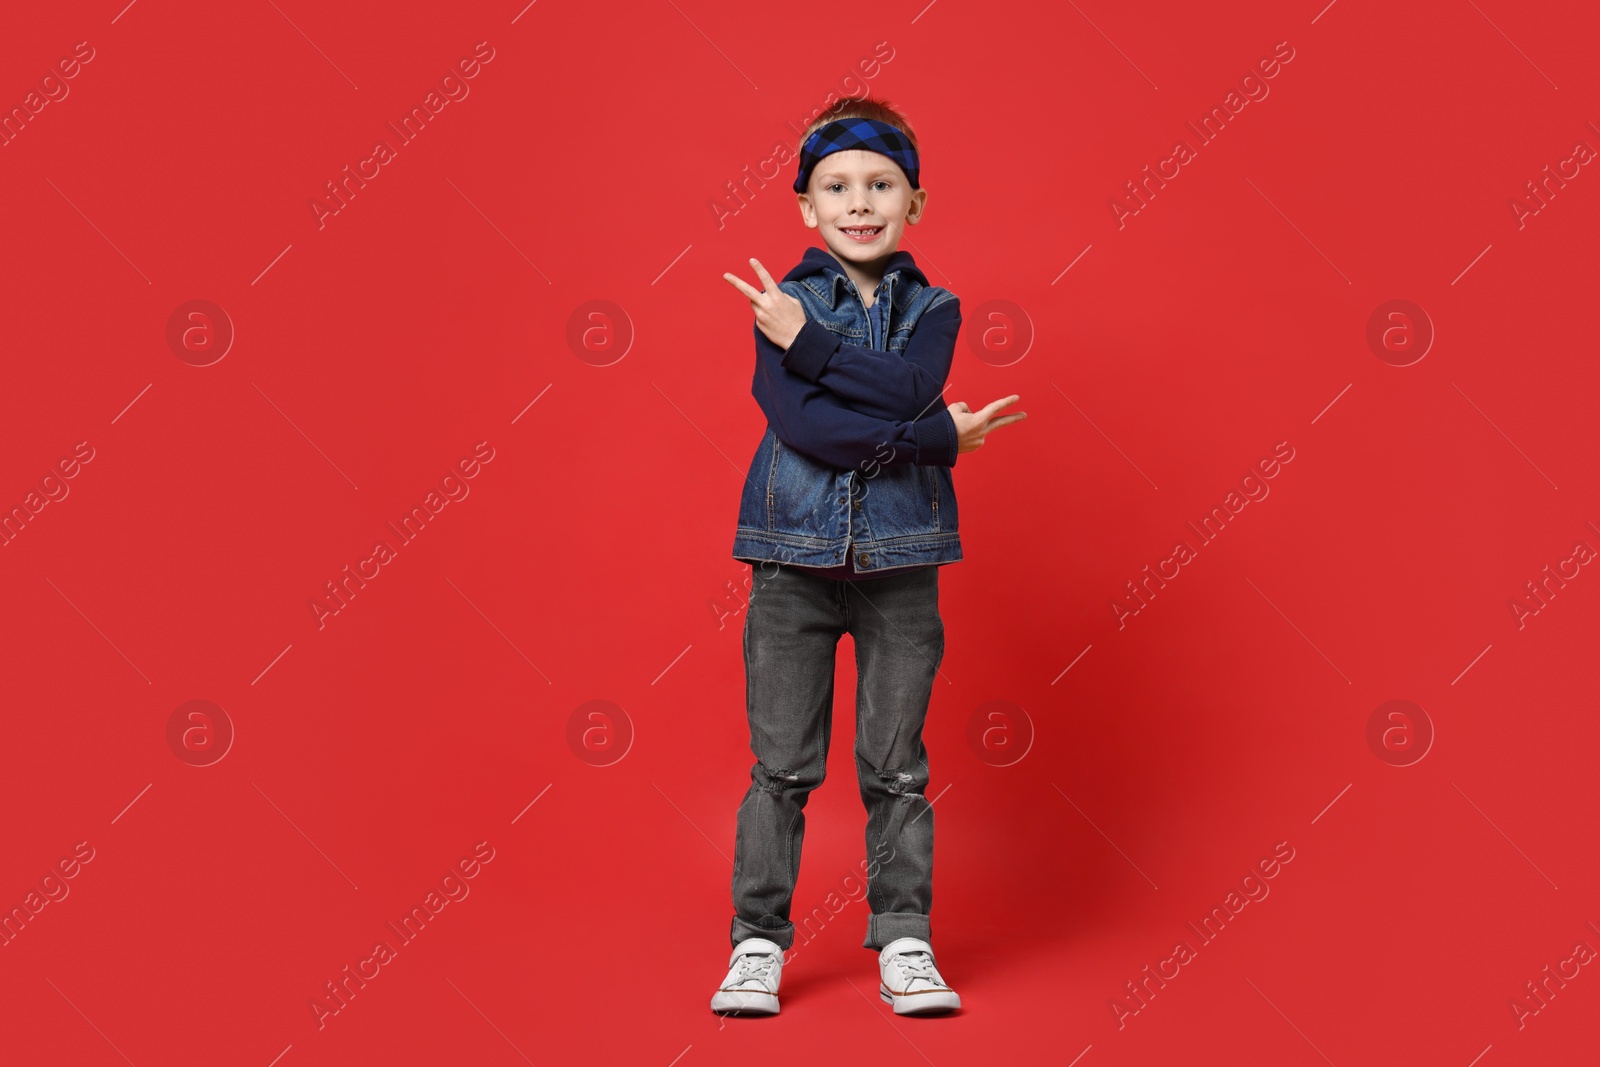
(800, 494)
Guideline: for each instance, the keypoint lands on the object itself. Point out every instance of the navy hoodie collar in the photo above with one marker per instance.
(820, 262)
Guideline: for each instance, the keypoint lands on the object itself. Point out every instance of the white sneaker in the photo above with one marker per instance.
(910, 980)
(752, 983)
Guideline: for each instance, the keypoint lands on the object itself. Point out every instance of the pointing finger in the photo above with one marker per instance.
(989, 411)
(743, 286)
(765, 277)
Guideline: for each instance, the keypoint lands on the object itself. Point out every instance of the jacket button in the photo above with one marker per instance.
(863, 559)
(858, 505)
(841, 500)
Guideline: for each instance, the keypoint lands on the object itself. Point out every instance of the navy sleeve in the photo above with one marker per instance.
(886, 385)
(812, 419)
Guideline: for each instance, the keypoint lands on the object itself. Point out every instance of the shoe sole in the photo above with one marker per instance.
(742, 1001)
(920, 1003)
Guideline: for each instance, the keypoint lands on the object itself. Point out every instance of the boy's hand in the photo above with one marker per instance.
(778, 315)
(971, 426)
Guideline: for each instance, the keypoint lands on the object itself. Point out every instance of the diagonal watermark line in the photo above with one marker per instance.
(1469, 266)
(302, 833)
(488, 1020)
(501, 632)
(532, 402)
(1069, 666)
(302, 433)
(1069, 266)
(931, 803)
(923, 257)
(88, 1020)
(1290, 1021)
(1113, 44)
(890, 1020)
(1502, 833)
(701, 432)
(1301, 633)
(669, 266)
(1102, 833)
(1468, 667)
(1102, 433)
(99, 631)
(501, 232)
(131, 803)
(102, 233)
(1331, 803)
(1332, 402)
(1502, 433)
(691, 822)
(1513, 44)
(669, 666)
(1301, 233)
(313, 44)
(713, 44)
(132, 402)
(274, 263)
(274, 663)
(531, 803)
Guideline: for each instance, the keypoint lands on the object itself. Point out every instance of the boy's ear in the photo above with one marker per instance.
(919, 200)
(808, 211)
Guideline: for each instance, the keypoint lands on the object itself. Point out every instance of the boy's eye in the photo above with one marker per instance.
(840, 185)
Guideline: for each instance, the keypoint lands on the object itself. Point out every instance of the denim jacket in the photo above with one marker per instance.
(859, 446)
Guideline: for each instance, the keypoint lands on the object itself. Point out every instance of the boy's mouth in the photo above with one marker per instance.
(863, 234)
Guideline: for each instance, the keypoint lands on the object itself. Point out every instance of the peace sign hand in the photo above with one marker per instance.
(971, 426)
(778, 315)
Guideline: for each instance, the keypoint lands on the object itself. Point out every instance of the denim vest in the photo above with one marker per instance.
(796, 509)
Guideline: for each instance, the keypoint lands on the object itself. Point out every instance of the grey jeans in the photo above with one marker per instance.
(793, 623)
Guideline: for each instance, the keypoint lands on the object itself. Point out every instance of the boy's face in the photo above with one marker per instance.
(858, 190)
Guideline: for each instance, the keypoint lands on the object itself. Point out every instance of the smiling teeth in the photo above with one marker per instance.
(873, 229)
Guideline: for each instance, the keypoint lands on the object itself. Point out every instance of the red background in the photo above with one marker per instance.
(591, 559)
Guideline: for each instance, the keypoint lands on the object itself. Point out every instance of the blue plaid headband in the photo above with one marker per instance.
(869, 134)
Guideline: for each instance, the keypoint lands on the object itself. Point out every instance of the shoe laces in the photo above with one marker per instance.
(918, 964)
(754, 965)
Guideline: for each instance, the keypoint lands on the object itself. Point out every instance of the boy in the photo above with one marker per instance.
(848, 512)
